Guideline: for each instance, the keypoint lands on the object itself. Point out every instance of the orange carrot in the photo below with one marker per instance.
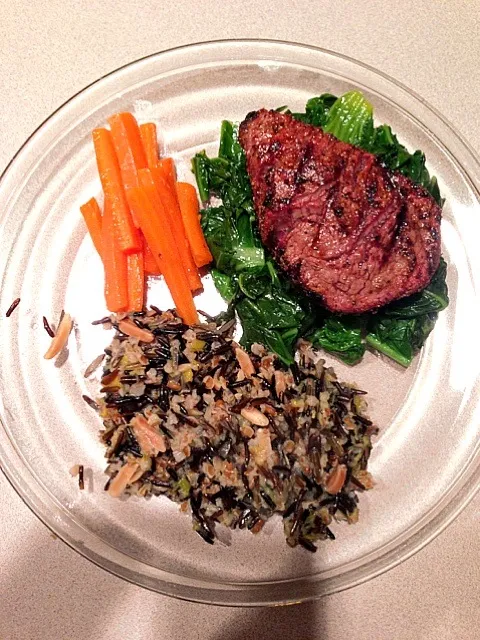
(122, 225)
(149, 211)
(136, 281)
(188, 201)
(128, 147)
(93, 219)
(167, 168)
(174, 218)
(148, 134)
(115, 265)
(150, 264)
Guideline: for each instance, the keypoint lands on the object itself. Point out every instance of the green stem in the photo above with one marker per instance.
(374, 342)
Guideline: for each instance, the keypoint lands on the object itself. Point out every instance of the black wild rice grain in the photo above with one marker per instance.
(207, 316)
(267, 499)
(48, 328)
(208, 355)
(91, 403)
(297, 376)
(166, 432)
(156, 309)
(12, 307)
(203, 531)
(239, 383)
(306, 544)
(209, 336)
(172, 473)
(160, 483)
(357, 482)
(93, 366)
(102, 320)
(81, 483)
(227, 326)
(330, 533)
(363, 421)
(246, 515)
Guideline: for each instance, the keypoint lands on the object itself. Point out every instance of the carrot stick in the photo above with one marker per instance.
(136, 281)
(93, 219)
(150, 264)
(188, 202)
(148, 134)
(122, 224)
(128, 147)
(174, 218)
(115, 265)
(149, 211)
(167, 168)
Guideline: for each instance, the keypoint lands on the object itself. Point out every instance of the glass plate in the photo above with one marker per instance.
(426, 459)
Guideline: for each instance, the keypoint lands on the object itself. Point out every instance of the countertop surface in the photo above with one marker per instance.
(49, 51)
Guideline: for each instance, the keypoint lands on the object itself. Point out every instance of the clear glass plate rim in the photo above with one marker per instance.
(254, 41)
(466, 491)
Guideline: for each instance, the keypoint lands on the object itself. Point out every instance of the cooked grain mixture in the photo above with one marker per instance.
(233, 436)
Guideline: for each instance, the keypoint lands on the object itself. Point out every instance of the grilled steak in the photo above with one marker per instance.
(337, 221)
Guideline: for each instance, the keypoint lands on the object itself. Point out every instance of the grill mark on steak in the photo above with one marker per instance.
(336, 220)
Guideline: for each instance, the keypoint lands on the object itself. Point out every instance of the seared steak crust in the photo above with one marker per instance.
(337, 221)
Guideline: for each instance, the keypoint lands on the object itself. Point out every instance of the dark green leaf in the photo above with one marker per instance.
(394, 338)
(317, 110)
(342, 336)
(400, 338)
(226, 285)
(233, 244)
(252, 284)
(384, 143)
(258, 328)
(199, 167)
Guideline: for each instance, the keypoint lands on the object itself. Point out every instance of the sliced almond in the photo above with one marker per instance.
(131, 329)
(254, 416)
(366, 479)
(280, 384)
(336, 479)
(123, 479)
(209, 382)
(269, 410)
(246, 365)
(148, 437)
(61, 337)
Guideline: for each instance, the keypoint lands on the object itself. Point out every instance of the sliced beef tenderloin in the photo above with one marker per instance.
(336, 220)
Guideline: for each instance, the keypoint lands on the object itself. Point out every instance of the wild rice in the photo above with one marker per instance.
(234, 437)
(12, 307)
(93, 366)
(48, 328)
(81, 482)
(91, 403)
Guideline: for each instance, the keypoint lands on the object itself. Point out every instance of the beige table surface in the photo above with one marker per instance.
(49, 49)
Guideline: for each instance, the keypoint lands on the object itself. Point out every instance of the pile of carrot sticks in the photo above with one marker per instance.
(150, 224)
